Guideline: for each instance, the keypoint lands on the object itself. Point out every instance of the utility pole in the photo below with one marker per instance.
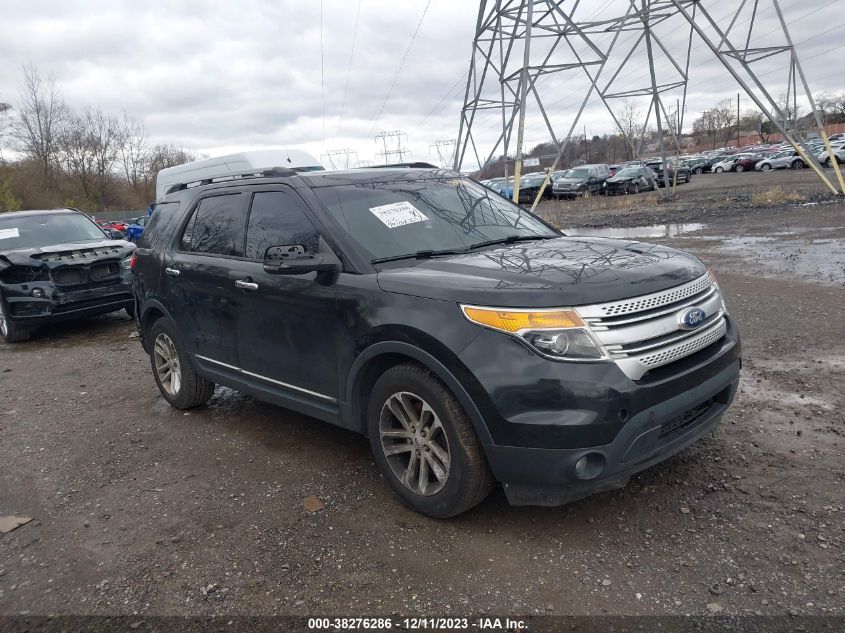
(737, 120)
(393, 151)
(523, 90)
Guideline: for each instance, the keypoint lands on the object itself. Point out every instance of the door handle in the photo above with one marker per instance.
(245, 285)
(173, 272)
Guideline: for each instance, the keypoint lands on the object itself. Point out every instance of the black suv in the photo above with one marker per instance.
(470, 341)
(57, 265)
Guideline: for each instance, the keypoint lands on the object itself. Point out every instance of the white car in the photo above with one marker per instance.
(787, 159)
(838, 151)
(724, 165)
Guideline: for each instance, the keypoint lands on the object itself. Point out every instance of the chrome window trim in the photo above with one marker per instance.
(273, 380)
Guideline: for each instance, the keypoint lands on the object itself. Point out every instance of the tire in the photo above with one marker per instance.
(698, 171)
(828, 162)
(798, 164)
(635, 188)
(130, 310)
(465, 478)
(740, 169)
(718, 170)
(766, 167)
(191, 389)
(10, 331)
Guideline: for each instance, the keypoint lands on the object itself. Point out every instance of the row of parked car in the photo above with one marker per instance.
(647, 175)
(586, 180)
(130, 229)
(766, 157)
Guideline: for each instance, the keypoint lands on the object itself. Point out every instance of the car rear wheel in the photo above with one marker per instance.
(173, 370)
(634, 188)
(10, 331)
(699, 171)
(424, 444)
(798, 164)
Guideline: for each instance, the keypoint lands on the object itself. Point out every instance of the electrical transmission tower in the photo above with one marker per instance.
(445, 151)
(341, 158)
(527, 52)
(393, 151)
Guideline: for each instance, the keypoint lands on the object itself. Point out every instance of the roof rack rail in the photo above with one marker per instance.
(417, 165)
(273, 172)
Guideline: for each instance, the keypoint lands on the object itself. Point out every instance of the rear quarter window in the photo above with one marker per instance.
(164, 215)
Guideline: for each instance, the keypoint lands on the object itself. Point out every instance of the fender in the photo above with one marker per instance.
(424, 358)
(148, 305)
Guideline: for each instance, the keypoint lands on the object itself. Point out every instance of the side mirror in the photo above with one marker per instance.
(115, 234)
(293, 260)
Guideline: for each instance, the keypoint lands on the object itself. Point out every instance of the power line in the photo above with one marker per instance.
(349, 68)
(399, 70)
(322, 75)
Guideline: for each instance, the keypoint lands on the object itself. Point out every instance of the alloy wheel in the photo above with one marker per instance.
(415, 444)
(168, 368)
(4, 328)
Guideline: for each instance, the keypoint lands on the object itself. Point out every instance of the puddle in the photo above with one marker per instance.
(638, 232)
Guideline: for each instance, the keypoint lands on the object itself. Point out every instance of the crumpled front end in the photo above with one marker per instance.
(44, 285)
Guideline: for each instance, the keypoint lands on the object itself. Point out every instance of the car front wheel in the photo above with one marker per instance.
(718, 170)
(798, 164)
(766, 167)
(424, 444)
(740, 168)
(173, 370)
(9, 330)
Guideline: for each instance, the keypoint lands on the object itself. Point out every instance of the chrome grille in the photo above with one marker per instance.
(644, 333)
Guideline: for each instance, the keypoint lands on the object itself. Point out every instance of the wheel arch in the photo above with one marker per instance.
(151, 312)
(381, 356)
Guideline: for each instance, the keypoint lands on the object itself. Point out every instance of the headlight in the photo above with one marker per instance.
(557, 333)
(126, 262)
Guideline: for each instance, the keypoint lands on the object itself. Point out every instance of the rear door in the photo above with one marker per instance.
(197, 279)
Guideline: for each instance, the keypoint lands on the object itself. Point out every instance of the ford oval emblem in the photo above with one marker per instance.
(691, 318)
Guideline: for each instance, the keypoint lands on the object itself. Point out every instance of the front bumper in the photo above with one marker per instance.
(57, 304)
(550, 415)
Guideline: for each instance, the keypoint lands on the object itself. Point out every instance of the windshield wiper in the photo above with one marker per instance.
(510, 239)
(419, 255)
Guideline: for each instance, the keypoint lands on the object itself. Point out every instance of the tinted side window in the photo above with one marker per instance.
(277, 218)
(163, 215)
(217, 226)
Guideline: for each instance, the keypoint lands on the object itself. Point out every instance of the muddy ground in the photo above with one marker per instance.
(139, 508)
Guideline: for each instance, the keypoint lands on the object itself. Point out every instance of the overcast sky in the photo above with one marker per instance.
(217, 77)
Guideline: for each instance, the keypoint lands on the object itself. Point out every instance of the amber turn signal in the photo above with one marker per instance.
(513, 321)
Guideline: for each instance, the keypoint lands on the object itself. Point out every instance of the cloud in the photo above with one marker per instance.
(220, 76)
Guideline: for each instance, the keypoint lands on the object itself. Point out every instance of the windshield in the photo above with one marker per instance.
(578, 173)
(390, 219)
(34, 231)
(625, 173)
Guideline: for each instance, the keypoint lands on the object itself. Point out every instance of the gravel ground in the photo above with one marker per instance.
(244, 508)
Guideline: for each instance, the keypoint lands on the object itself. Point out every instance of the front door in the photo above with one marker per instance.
(290, 328)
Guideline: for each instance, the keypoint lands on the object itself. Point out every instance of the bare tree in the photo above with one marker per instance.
(90, 145)
(40, 115)
(132, 146)
(5, 114)
(631, 123)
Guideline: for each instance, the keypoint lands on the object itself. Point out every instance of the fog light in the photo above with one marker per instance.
(589, 466)
(38, 293)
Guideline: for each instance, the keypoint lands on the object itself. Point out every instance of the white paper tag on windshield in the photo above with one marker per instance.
(398, 214)
(5, 234)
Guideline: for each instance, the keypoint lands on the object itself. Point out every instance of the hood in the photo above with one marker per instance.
(70, 253)
(564, 271)
(621, 178)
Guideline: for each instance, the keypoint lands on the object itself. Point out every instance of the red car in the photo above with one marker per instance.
(115, 226)
(746, 164)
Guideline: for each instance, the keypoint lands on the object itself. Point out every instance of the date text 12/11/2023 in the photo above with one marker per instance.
(419, 624)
